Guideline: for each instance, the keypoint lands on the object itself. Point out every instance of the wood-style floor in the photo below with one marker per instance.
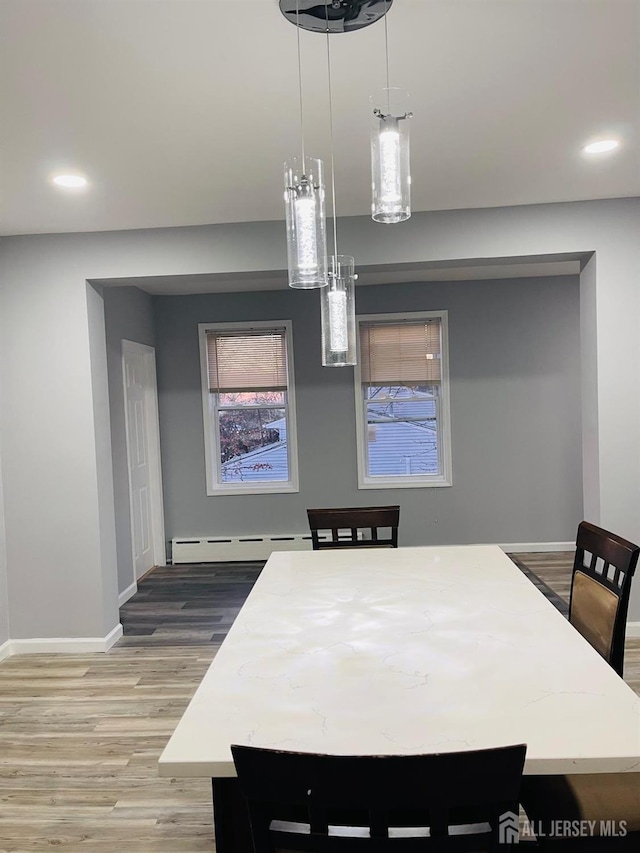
(80, 735)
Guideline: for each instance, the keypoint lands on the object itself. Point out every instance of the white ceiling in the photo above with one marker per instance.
(181, 111)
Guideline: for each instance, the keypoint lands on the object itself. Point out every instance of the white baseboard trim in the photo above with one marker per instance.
(633, 630)
(128, 593)
(523, 547)
(5, 650)
(112, 637)
(66, 645)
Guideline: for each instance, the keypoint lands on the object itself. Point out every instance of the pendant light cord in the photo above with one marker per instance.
(333, 171)
(386, 50)
(300, 83)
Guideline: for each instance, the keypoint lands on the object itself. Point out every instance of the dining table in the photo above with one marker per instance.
(400, 651)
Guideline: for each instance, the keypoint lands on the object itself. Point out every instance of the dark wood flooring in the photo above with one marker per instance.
(187, 604)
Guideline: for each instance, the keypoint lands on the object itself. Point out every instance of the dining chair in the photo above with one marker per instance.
(600, 586)
(603, 568)
(356, 520)
(305, 801)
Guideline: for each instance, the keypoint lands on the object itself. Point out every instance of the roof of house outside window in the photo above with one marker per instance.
(396, 448)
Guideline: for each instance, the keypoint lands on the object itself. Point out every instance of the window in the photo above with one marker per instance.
(402, 401)
(249, 408)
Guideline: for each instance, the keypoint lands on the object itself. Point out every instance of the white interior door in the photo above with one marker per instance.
(143, 456)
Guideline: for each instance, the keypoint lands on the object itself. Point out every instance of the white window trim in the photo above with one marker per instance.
(413, 481)
(210, 427)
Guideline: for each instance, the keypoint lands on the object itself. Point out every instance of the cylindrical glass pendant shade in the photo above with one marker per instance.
(338, 313)
(306, 229)
(390, 162)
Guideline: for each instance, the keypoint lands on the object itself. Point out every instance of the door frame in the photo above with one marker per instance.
(153, 444)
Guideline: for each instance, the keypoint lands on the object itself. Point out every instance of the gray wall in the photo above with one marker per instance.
(589, 381)
(56, 458)
(515, 412)
(103, 460)
(128, 316)
(53, 532)
(4, 589)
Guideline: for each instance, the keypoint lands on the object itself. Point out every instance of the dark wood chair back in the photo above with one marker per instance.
(305, 801)
(600, 586)
(363, 523)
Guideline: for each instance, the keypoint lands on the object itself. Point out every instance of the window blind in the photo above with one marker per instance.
(247, 361)
(402, 353)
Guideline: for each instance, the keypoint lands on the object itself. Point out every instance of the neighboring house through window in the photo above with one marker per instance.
(402, 401)
(248, 407)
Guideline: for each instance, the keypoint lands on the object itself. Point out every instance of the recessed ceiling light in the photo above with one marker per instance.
(72, 181)
(601, 146)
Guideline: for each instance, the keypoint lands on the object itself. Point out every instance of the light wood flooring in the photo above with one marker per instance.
(80, 735)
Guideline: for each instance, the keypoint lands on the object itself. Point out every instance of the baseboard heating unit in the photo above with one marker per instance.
(212, 549)
(221, 549)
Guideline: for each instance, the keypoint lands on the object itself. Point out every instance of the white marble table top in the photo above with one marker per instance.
(412, 650)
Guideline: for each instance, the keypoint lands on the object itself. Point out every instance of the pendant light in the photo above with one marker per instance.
(304, 209)
(304, 186)
(337, 301)
(338, 313)
(306, 234)
(390, 163)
